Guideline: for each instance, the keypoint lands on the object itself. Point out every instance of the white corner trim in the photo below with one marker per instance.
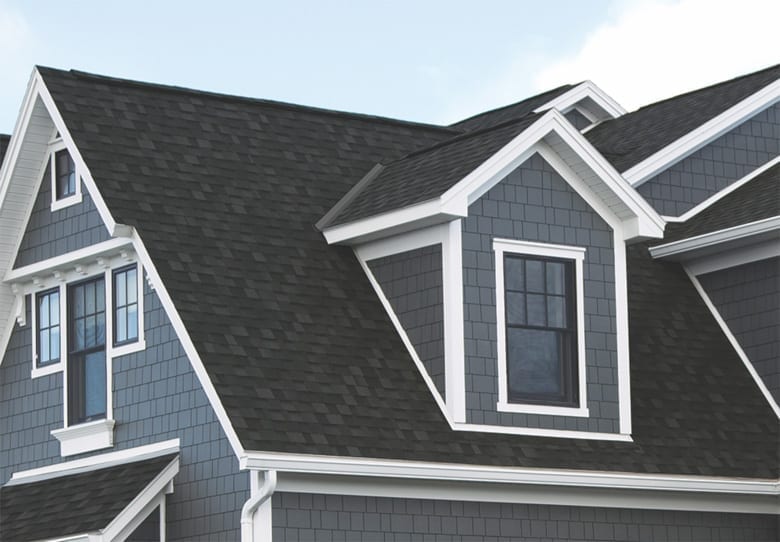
(695, 139)
(150, 497)
(95, 462)
(622, 334)
(454, 322)
(85, 437)
(679, 248)
(388, 468)
(526, 248)
(723, 193)
(586, 89)
(734, 257)
(656, 499)
(734, 343)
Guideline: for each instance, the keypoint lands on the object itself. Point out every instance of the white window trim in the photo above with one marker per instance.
(85, 437)
(52, 367)
(57, 204)
(575, 254)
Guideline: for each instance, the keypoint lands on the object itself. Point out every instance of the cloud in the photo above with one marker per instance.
(651, 49)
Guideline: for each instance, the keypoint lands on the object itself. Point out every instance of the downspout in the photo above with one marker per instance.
(263, 493)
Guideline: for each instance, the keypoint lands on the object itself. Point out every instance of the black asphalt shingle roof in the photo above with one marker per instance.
(510, 112)
(427, 174)
(756, 200)
(225, 193)
(629, 139)
(4, 141)
(75, 504)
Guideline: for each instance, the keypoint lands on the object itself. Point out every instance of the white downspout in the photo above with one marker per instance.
(261, 495)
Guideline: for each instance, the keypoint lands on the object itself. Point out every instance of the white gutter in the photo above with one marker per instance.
(262, 494)
(706, 240)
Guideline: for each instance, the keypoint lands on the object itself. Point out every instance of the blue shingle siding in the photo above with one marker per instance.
(306, 517)
(412, 283)
(534, 203)
(715, 166)
(157, 397)
(748, 299)
(579, 120)
(50, 234)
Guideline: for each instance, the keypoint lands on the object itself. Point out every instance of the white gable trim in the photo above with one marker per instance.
(586, 89)
(640, 219)
(15, 229)
(723, 193)
(734, 257)
(679, 249)
(694, 140)
(734, 343)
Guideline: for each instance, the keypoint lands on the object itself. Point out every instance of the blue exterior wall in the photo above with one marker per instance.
(579, 120)
(748, 299)
(412, 283)
(534, 203)
(50, 234)
(715, 166)
(330, 518)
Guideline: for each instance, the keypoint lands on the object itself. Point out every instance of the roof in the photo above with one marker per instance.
(756, 200)
(75, 504)
(510, 112)
(427, 174)
(4, 141)
(225, 192)
(629, 139)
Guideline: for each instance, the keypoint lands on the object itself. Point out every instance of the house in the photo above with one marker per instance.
(225, 318)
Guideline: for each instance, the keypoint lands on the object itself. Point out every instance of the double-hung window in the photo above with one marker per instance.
(125, 288)
(540, 338)
(64, 174)
(47, 306)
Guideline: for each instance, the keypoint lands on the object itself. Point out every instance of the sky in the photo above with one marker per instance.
(429, 61)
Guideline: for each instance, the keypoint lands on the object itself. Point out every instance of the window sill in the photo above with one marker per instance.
(125, 349)
(46, 369)
(56, 205)
(579, 412)
(85, 437)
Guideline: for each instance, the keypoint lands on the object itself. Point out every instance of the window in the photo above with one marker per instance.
(87, 355)
(48, 327)
(125, 290)
(64, 174)
(541, 341)
(541, 353)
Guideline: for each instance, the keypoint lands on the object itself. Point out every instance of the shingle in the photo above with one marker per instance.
(4, 141)
(79, 503)
(629, 139)
(242, 222)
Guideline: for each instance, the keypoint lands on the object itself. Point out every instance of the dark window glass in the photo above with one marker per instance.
(125, 305)
(87, 356)
(48, 327)
(65, 174)
(541, 333)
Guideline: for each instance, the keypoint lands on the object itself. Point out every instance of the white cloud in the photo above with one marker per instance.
(651, 49)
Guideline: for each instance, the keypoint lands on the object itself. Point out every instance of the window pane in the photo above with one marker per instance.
(94, 384)
(89, 292)
(78, 301)
(534, 362)
(121, 292)
(536, 310)
(132, 286)
(43, 310)
(534, 271)
(55, 342)
(515, 308)
(121, 325)
(72, 183)
(100, 328)
(89, 339)
(43, 344)
(556, 311)
(132, 322)
(54, 308)
(513, 274)
(100, 296)
(555, 278)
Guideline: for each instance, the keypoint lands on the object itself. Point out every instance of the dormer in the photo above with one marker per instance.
(584, 106)
(500, 258)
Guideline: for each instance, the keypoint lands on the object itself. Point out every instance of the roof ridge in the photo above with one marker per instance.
(708, 87)
(248, 99)
(464, 135)
(513, 104)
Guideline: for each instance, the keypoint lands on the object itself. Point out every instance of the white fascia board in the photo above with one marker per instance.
(694, 140)
(142, 505)
(734, 257)
(679, 249)
(586, 89)
(95, 462)
(404, 242)
(527, 493)
(723, 193)
(734, 342)
(387, 468)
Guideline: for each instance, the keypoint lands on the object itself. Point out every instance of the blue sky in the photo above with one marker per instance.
(432, 61)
